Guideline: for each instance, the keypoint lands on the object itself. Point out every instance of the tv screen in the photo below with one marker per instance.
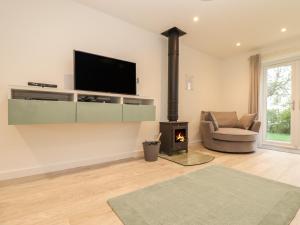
(103, 74)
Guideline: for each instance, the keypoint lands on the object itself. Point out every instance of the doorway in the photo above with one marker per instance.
(280, 110)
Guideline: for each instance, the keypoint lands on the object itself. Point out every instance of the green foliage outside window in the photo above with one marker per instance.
(279, 121)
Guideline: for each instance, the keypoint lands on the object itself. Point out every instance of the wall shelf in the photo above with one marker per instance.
(35, 105)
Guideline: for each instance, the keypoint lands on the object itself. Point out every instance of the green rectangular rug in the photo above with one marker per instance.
(214, 195)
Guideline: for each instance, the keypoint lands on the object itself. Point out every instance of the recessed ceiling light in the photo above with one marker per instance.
(195, 19)
(238, 44)
(283, 30)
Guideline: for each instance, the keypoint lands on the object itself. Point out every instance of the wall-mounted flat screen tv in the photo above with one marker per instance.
(103, 74)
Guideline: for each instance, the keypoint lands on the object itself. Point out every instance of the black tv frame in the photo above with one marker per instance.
(115, 59)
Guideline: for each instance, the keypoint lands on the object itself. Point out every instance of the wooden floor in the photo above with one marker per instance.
(77, 198)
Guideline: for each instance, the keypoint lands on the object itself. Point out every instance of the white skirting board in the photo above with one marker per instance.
(195, 141)
(43, 169)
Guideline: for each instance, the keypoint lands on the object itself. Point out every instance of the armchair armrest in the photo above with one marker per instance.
(256, 126)
(206, 129)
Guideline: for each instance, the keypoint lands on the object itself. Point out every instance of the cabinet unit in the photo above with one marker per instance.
(40, 112)
(135, 113)
(88, 112)
(33, 105)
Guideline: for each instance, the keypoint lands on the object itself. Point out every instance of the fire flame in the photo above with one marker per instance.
(180, 137)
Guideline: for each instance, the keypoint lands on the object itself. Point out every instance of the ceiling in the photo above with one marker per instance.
(221, 24)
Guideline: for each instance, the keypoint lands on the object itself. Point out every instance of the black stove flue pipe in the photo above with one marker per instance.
(173, 35)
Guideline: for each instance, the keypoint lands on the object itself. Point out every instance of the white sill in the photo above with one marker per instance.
(280, 146)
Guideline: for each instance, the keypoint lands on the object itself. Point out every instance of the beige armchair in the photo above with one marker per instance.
(229, 138)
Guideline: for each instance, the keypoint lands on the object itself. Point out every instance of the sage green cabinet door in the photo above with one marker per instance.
(138, 113)
(40, 112)
(88, 112)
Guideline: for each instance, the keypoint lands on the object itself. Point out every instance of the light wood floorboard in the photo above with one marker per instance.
(79, 197)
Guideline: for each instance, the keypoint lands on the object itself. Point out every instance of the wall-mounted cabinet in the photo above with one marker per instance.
(136, 109)
(33, 105)
(135, 113)
(40, 112)
(88, 112)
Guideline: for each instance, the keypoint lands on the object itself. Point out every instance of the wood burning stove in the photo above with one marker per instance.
(174, 134)
(174, 137)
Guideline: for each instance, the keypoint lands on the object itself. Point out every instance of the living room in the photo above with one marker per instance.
(64, 173)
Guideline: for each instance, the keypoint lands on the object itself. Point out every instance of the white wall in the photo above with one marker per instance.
(234, 73)
(36, 44)
(234, 77)
(205, 93)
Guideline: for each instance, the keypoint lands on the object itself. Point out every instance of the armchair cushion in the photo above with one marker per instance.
(234, 134)
(246, 121)
(226, 119)
(255, 126)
